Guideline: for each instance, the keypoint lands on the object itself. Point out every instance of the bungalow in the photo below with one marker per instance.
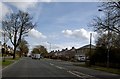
(82, 53)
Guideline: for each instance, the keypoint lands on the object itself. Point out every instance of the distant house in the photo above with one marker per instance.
(51, 54)
(70, 53)
(82, 53)
(9, 50)
(62, 53)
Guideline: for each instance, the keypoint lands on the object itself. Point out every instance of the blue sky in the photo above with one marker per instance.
(61, 24)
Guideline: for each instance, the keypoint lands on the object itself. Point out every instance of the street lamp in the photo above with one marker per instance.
(108, 23)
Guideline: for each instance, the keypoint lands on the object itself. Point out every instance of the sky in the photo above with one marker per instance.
(60, 24)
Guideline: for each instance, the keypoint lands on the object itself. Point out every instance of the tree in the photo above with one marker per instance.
(17, 25)
(108, 28)
(109, 24)
(101, 41)
(40, 50)
(111, 20)
(23, 47)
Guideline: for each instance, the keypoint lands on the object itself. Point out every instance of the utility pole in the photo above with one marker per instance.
(88, 57)
(90, 49)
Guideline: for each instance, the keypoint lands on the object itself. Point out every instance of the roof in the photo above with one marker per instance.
(87, 46)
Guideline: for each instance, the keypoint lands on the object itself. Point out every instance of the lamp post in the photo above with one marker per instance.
(108, 38)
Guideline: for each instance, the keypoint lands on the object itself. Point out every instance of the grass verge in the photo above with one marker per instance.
(0, 55)
(8, 61)
(110, 70)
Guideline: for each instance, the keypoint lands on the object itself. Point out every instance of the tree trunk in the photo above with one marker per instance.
(20, 53)
(14, 52)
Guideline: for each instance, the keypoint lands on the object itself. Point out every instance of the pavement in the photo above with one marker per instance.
(28, 68)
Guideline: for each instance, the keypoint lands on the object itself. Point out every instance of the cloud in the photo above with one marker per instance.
(82, 34)
(45, 0)
(28, 5)
(79, 33)
(28, 0)
(0, 11)
(51, 46)
(22, 4)
(20, 1)
(4, 10)
(1, 31)
(61, 46)
(65, 0)
(36, 34)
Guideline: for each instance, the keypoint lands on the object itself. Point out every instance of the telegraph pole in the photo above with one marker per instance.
(90, 49)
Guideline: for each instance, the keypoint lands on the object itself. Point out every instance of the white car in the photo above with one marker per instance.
(36, 56)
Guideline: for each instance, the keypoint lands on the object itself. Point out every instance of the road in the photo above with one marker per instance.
(31, 68)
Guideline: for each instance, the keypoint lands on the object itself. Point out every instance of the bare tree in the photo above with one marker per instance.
(112, 11)
(17, 25)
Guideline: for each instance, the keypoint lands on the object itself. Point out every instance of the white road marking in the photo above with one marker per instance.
(51, 64)
(60, 67)
(57, 66)
(74, 74)
(82, 75)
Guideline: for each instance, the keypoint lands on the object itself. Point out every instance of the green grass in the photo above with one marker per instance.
(0, 55)
(17, 58)
(8, 61)
(111, 70)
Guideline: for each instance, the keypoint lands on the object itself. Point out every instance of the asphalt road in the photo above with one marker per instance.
(47, 68)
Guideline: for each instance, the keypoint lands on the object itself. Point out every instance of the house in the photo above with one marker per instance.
(61, 54)
(64, 54)
(51, 54)
(83, 52)
(69, 54)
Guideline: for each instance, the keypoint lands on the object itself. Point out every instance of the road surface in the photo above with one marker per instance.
(48, 68)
